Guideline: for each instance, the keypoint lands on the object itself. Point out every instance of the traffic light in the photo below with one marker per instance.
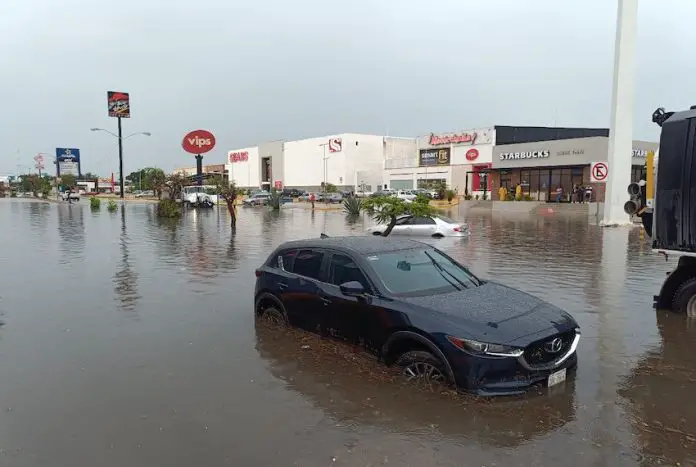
(636, 202)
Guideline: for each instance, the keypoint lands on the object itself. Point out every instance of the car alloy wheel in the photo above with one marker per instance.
(422, 368)
(274, 317)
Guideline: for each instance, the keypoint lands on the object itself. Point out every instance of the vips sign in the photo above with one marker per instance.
(198, 142)
(68, 162)
(433, 157)
(119, 104)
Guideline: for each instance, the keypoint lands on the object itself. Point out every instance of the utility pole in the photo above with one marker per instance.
(621, 124)
(120, 158)
(325, 175)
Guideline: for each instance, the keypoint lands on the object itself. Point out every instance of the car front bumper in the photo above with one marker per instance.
(510, 376)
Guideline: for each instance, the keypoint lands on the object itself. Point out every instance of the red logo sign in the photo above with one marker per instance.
(240, 156)
(279, 184)
(198, 142)
(472, 154)
(452, 139)
(335, 145)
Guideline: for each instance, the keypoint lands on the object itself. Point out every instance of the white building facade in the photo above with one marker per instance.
(349, 161)
(460, 159)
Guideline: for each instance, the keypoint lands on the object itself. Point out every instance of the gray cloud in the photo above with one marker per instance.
(265, 70)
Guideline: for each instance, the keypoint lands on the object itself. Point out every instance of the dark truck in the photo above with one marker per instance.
(665, 200)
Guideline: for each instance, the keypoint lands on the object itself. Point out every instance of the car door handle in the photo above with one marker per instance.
(325, 301)
(282, 286)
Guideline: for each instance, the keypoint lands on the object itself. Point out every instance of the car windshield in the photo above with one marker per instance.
(423, 271)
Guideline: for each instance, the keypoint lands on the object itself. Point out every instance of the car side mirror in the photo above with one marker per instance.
(352, 289)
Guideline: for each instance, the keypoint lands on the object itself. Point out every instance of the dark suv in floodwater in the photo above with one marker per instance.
(417, 308)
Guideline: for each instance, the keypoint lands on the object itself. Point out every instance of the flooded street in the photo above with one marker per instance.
(128, 341)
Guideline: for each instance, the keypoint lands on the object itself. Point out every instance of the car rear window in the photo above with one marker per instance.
(423, 271)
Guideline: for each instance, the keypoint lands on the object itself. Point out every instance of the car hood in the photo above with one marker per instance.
(498, 313)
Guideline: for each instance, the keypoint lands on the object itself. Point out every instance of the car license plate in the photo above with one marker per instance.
(557, 377)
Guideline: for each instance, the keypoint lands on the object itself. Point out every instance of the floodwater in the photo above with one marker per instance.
(131, 342)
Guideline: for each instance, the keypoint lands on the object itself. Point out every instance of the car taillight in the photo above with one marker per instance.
(258, 273)
(457, 229)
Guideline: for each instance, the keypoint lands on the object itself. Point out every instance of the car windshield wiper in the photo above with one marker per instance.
(442, 272)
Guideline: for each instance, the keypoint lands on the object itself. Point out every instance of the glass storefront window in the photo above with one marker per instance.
(544, 175)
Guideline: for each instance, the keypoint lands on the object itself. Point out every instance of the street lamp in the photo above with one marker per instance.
(120, 149)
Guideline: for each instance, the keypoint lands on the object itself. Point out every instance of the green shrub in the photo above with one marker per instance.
(112, 206)
(169, 209)
(352, 206)
(94, 203)
(450, 194)
(527, 198)
(467, 197)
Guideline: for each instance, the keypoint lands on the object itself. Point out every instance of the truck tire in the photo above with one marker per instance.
(684, 300)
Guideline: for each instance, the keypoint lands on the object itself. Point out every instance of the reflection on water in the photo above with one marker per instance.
(334, 379)
(659, 392)
(192, 381)
(125, 278)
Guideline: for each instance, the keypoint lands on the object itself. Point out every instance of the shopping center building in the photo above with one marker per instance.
(349, 161)
(550, 159)
(457, 159)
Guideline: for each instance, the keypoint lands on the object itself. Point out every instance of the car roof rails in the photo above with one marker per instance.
(323, 235)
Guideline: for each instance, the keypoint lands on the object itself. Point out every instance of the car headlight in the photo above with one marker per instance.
(484, 348)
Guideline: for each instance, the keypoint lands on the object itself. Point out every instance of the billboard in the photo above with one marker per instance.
(433, 157)
(68, 162)
(119, 104)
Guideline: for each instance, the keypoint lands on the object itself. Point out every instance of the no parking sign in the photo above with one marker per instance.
(599, 171)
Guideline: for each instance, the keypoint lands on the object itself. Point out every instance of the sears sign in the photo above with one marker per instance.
(198, 142)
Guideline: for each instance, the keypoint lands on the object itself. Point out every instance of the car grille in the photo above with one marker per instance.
(545, 352)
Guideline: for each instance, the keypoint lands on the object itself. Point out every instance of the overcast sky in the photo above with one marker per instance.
(253, 71)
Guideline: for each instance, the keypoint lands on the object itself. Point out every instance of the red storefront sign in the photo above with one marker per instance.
(436, 140)
(240, 156)
(198, 142)
(279, 184)
(472, 154)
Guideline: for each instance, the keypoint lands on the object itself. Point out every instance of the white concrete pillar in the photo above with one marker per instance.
(621, 125)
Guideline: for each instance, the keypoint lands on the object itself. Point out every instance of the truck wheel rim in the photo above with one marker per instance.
(691, 307)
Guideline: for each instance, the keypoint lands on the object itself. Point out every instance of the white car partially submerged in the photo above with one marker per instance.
(197, 196)
(437, 226)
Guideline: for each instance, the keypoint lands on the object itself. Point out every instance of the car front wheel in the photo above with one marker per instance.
(274, 316)
(422, 368)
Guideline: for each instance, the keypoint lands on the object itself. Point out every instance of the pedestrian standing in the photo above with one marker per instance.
(312, 198)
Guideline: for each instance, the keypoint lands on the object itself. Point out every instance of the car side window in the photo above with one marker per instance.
(285, 260)
(404, 221)
(343, 269)
(308, 263)
(423, 221)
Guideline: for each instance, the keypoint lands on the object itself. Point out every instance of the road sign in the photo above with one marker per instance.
(198, 142)
(599, 172)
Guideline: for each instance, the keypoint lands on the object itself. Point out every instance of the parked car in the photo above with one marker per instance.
(197, 196)
(384, 192)
(257, 199)
(437, 226)
(418, 309)
(423, 192)
(406, 195)
(334, 198)
(70, 196)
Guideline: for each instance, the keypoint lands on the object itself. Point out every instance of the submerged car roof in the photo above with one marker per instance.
(360, 245)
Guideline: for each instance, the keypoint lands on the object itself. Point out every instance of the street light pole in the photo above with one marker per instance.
(120, 149)
(120, 158)
(325, 174)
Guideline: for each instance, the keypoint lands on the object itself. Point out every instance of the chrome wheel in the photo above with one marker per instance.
(274, 317)
(423, 372)
(691, 307)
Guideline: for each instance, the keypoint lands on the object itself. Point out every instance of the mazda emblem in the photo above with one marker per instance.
(554, 346)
